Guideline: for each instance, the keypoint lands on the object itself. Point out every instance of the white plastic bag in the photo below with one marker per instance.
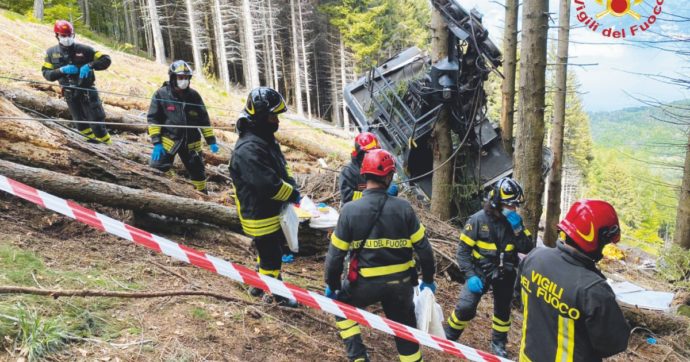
(327, 219)
(289, 222)
(429, 313)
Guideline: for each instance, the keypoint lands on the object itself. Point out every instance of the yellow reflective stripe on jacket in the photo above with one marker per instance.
(257, 227)
(386, 270)
(486, 245)
(510, 247)
(356, 195)
(207, 132)
(339, 243)
(383, 243)
(97, 55)
(168, 143)
(468, 240)
(525, 319)
(418, 235)
(288, 169)
(48, 65)
(283, 193)
(566, 340)
(527, 233)
(154, 130)
(194, 146)
(415, 357)
(477, 255)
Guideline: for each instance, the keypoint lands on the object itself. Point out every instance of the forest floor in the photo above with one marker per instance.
(41, 249)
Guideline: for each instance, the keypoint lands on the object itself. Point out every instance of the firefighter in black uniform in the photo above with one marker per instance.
(380, 233)
(487, 255)
(72, 65)
(352, 183)
(263, 180)
(176, 104)
(570, 312)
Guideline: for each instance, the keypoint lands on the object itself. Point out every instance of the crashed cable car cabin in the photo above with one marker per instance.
(400, 101)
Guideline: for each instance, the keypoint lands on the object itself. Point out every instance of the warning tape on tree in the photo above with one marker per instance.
(237, 272)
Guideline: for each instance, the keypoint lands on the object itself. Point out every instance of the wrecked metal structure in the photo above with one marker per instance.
(400, 100)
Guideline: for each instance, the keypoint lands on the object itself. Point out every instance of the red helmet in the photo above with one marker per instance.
(63, 28)
(377, 162)
(365, 141)
(591, 224)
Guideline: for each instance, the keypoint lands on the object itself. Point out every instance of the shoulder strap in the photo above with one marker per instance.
(376, 219)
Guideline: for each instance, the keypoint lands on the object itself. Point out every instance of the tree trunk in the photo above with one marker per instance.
(87, 14)
(148, 32)
(441, 140)
(305, 62)
(158, 45)
(220, 46)
(88, 190)
(194, 35)
(250, 47)
(316, 83)
(335, 92)
(38, 9)
(273, 45)
(169, 33)
(528, 153)
(553, 201)
(132, 13)
(343, 81)
(128, 25)
(682, 236)
(57, 108)
(295, 61)
(509, 71)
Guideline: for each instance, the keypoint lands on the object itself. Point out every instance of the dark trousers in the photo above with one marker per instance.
(193, 161)
(87, 106)
(466, 308)
(395, 297)
(269, 248)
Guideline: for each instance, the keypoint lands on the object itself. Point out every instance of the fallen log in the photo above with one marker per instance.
(143, 201)
(57, 108)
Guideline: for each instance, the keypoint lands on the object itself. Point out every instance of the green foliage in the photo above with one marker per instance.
(378, 29)
(18, 6)
(18, 265)
(200, 313)
(674, 266)
(33, 334)
(67, 10)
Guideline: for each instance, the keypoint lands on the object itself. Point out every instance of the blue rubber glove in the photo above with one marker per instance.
(288, 258)
(475, 285)
(330, 293)
(84, 71)
(514, 219)
(393, 190)
(158, 152)
(69, 69)
(431, 286)
(214, 147)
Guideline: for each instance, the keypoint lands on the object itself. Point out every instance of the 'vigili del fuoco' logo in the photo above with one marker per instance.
(618, 18)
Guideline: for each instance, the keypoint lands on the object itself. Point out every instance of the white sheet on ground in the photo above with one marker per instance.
(632, 294)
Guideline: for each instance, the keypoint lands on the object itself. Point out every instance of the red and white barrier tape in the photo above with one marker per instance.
(239, 273)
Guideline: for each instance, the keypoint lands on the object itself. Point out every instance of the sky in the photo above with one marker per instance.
(613, 83)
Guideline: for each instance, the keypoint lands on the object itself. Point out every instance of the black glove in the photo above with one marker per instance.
(295, 197)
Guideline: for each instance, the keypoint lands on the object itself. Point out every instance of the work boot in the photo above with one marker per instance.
(499, 348)
(256, 292)
(451, 333)
(285, 302)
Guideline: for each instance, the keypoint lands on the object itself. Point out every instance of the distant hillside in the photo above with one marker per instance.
(639, 130)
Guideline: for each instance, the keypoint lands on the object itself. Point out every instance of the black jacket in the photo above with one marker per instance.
(263, 183)
(77, 54)
(482, 241)
(185, 108)
(351, 182)
(388, 249)
(570, 312)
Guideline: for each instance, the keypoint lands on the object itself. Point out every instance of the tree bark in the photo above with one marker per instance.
(169, 33)
(158, 45)
(509, 71)
(343, 81)
(553, 200)
(441, 139)
(220, 45)
(87, 14)
(528, 153)
(335, 91)
(194, 35)
(295, 61)
(273, 45)
(127, 19)
(250, 47)
(38, 9)
(682, 236)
